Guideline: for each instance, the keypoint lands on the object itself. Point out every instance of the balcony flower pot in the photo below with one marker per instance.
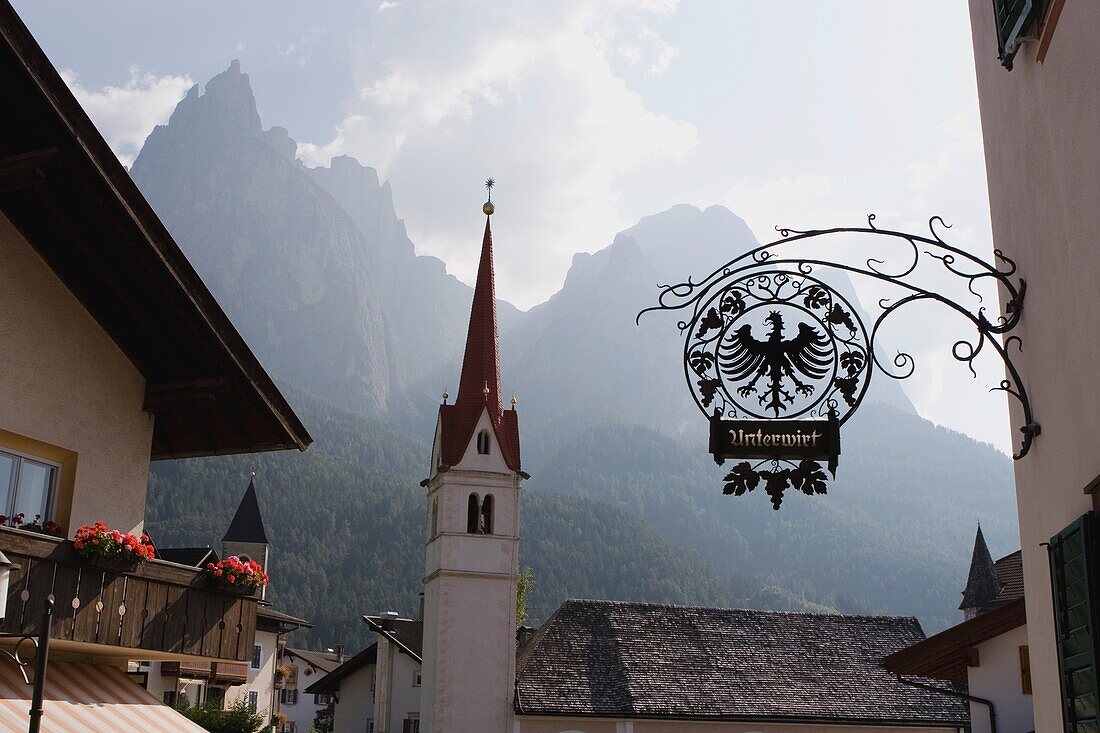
(235, 575)
(110, 549)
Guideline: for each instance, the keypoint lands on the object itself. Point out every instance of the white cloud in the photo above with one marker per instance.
(126, 114)
(300, 50)
(386, 5)
(535, 96)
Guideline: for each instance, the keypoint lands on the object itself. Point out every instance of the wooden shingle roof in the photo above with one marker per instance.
(639, 660)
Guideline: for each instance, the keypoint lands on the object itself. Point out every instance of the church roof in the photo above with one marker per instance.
(639, 660)
(982, 584)
(247, 524)
(479, 384)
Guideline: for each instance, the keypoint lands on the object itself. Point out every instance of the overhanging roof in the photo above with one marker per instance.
(946, 655)
(68, 195)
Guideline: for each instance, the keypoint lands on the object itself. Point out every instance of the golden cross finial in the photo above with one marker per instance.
(489, 208)
(252, 472)
(485, 390)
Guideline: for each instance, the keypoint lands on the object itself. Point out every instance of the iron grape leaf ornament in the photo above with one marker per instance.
(741, 479)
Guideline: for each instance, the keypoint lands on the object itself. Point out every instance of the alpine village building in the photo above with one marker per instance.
(596, 666)
(114, 354)
(1038, 78)
(987, 654)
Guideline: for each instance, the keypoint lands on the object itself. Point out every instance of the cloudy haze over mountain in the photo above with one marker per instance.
(590, 115)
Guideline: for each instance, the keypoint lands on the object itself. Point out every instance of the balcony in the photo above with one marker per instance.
(157, 607)
(219, 673)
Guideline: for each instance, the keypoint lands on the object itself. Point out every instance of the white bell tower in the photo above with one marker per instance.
(472, 558)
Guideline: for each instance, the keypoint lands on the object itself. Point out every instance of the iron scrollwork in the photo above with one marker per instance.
(767, 338)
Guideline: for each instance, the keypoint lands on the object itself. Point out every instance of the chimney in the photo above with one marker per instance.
(339, 653)
(421, 615)
(389, 621)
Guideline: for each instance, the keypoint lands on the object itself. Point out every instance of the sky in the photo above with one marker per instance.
(589, 114)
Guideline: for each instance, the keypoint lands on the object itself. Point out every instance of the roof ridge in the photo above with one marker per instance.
(815, 614)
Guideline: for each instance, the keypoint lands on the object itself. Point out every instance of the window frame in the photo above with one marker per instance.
(257, 661)
(253, 700)
(13, 485)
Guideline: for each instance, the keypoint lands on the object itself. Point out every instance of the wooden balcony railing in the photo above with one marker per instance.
(157, 606)
(227, 673)
(220, 673)
(200, 670)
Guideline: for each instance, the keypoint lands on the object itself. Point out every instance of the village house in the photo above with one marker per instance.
(379, 688)
(222, 684)
(115, 354)
(987, 654)
(302, 667)
(1038, 78)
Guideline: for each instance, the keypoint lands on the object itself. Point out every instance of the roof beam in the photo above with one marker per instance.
(26, 170)
(183, 394)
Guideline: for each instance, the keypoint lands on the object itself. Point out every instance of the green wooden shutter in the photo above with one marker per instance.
(1074, 566)
(1013, 18)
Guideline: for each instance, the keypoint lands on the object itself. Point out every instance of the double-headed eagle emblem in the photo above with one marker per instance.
(742, 357)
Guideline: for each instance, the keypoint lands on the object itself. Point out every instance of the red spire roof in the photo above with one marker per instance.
(481, 363)
(479, 384)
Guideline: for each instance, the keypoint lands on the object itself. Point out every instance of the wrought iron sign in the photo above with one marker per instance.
(778, 359)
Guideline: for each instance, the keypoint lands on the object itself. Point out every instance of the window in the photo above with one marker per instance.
(486, 526)
(1013, 19)
(416, 678)
(322, 698)
(411, 724)
(215, 695)
(27, 485)
(288, 697)
(253, 700)
(257, 650)
(170, 697)
(1075, 581)
(472, 515)
(435, 517)
(1025, 671)
(483, 442)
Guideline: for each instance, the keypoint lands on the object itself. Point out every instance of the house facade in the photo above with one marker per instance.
(221, 683)
(115, 354)
(304, 667)
(1038, 78)
(988, 654)
(379, 689)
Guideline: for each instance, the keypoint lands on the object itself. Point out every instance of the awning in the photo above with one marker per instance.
(86, 697)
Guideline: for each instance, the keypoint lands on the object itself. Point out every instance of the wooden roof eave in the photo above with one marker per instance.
(948, 654)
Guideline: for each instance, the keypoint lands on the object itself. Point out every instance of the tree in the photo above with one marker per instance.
(524, 585)
(324, 719)
(237, 718)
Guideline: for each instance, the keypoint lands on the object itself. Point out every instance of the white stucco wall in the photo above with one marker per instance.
(1041, 126)
(356, 702)
(64, 383)
(395, 675)
(998, 679)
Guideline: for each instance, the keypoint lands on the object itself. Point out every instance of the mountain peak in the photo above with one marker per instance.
(227, 99)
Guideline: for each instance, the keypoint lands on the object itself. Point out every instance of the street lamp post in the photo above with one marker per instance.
(41, 643)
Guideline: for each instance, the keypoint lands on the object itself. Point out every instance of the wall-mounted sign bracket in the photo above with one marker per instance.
(778, 359)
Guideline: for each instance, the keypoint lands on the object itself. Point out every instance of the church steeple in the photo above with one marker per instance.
(982, 584)
(246, 537)
(480, 381)
(471, 558)
(479, 390)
